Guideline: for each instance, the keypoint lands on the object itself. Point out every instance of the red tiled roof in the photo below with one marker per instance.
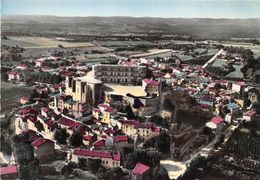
(140, 168)
(156, 129)
(25, 98)
(44, 109)
(25, 110)
(217, 120)
(152, 82)
(78, 126)
(117, 157)
(103, 136)
(50, 123)
(101, 142)
(40, 141)
(109, 109)
(204, 106)
(87, 138)
(66, 122)
(8, 170)
(91, 153)
(96, 110)
(75, 125)
(103, 105)
(130, 122)
(250, 113)
(32, 119)
(184, 65)
(121, 138)
(144, 126)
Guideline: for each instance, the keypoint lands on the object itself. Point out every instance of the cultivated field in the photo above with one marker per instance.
(42, 42)
(11, 94)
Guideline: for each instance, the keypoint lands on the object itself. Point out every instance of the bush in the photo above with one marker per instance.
(76, 140)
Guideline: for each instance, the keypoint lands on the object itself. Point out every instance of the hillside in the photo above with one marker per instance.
(197, 27)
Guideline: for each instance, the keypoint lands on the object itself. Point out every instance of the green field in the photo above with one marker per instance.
(42, 42)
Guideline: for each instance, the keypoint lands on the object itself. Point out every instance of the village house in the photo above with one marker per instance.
(107, 158)
(49, 126)
(9, 172)
(215, 123)
(12, 75)
(141, 172)
(21, 66)
(43, 148)
(24, 100)
(89, 139)
(233, 108)
(121, 141)
(238, 87)
(134, 129)
(249, 115)
(151, 86)
(33, 135)
(105, 113)
(63, 102)
(66, 122)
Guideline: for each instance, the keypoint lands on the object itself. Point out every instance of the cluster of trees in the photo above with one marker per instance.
(247, 55)
(162, 143)
(195, 168)
(44, 77)
(132, 156)
(139, 47)
(94, 166)
(11, 53)
(160, 121)
(24, 156)
(112, 174)
(62, 136)
(35, 95)
(220, 141)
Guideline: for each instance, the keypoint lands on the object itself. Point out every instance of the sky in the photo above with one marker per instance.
(136, 8)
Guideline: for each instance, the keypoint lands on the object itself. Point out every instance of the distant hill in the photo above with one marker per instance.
(197, 27)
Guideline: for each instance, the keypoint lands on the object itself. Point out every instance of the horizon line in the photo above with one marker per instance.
(243, 18)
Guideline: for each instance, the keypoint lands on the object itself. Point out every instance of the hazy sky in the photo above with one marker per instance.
(137, 8)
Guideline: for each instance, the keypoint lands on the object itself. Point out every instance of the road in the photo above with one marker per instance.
(212, 59)
(204, 151)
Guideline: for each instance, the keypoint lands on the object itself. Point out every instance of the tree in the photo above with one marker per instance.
(67, 169)
(56, 79)
(93, 164)
(161, 142)
(192, 170)
(150, 157)
(4, 77)
(24, 156)
(160, 121)
(60, 46)
(112, 174)
(256, 107)
(207, 131)
(76, 139)
(61, 136)
(34, 95)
